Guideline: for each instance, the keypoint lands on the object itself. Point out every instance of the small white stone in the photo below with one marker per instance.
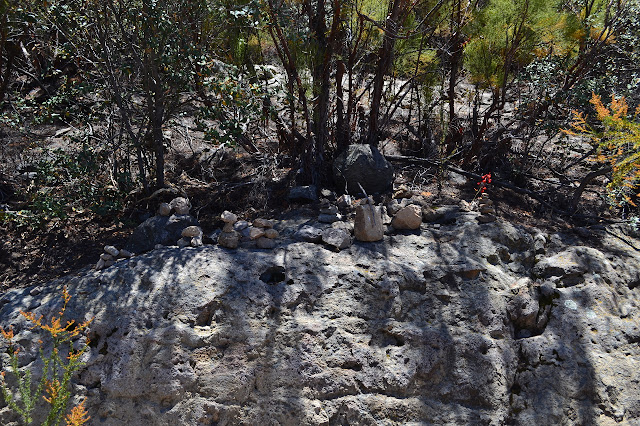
(196, 241)
(111, 250)
(106, 257)
(125, 254)
(228, 217)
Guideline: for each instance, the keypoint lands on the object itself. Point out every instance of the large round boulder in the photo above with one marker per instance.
(366, 165)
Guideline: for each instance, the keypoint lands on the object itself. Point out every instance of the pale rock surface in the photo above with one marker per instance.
(368, 224)
(409, 217)
(309, 234)
(337, 238)
(459, 324)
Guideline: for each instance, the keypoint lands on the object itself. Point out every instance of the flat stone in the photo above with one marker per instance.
(303, 194)
(329, 218)
(240, 225)
(486, 218)
(331, 209)
(106, 257)
(263, 223)
(125, 254)
(111, 250)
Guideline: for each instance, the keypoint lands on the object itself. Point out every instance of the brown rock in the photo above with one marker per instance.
(271, 233)
(228, 227)
(409, 217)
(192, 231)
(263, 223)
(368, 223)
(255, 233)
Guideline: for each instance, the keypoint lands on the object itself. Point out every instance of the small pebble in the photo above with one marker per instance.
(164, 209)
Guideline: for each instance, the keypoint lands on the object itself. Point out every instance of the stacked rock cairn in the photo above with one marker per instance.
(328, 212)
(191, 236)
(110, 256)
(487, 209)
(178, 205)
(229, 238)
(261, 231)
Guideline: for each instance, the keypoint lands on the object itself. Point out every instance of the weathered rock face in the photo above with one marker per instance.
(363, 164)
(454, 325)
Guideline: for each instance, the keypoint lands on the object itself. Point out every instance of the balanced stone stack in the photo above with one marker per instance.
(110, 256)
(328, 212)
(263, 233)
(229, 237)
(191, 236)
(487, 210)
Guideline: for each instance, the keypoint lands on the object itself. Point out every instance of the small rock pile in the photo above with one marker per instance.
(191, 236)
(486, 208)
(229, 238)
(261, 231)
(263, 234)
(110, 256)
(328, 212)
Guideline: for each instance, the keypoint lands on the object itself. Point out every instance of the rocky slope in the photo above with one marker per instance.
(459, 323)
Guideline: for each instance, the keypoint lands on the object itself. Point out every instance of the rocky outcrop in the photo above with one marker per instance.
(457, 323)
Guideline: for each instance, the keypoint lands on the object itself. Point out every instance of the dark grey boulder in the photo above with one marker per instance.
(366, 165)
(165, 230)
(303, 194)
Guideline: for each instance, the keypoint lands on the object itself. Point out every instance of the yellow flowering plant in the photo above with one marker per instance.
(59, 366)
(617, 139)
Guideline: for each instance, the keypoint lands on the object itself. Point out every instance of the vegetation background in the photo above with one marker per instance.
(103, 102)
